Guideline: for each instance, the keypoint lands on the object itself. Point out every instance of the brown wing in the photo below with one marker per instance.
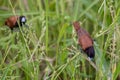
(11, 21)
(86, 33)
(85, 41)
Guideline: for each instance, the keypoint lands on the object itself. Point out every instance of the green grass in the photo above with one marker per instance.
(49, 50)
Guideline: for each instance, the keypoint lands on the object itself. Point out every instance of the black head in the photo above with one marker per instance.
(22, 20)
(90, 52)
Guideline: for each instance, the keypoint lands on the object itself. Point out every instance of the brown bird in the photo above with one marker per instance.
(15, 21)
(84, 40)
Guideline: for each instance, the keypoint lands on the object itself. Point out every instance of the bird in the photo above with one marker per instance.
(15, 21)
(84, 40)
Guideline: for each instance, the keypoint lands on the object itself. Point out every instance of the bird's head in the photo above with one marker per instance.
(22, 20)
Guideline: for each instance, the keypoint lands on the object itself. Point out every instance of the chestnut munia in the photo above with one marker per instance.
(84, 40)
(15, 21)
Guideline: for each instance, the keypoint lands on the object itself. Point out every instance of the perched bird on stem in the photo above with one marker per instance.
(84, 40)
(15, 21)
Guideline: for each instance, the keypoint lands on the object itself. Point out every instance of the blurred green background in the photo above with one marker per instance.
(48, 49)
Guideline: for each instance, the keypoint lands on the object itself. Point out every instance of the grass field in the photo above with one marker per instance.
(49, 50)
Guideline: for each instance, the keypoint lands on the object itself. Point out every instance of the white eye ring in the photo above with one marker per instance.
(23, 19)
